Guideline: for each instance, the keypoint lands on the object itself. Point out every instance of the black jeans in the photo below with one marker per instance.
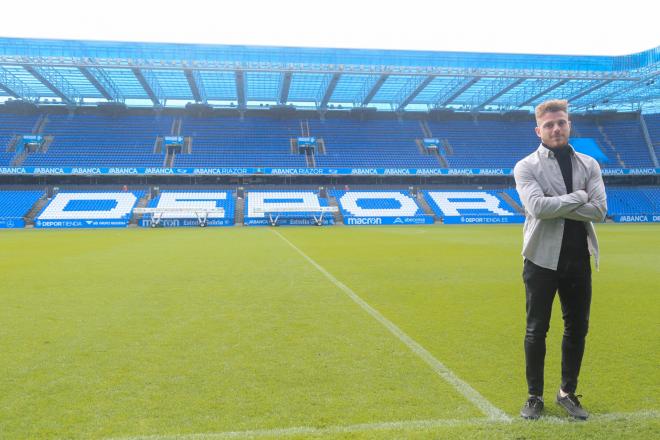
(573, 281)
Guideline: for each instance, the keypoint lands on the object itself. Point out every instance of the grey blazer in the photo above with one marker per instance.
(541, 187)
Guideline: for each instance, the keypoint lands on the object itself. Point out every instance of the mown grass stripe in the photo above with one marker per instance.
(472, 395)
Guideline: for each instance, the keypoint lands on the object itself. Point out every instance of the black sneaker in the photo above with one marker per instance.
(572, 406)
(532, 408)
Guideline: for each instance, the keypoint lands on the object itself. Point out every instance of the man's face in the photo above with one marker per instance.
(554, 128)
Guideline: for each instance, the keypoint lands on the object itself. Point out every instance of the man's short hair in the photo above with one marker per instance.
(554, 105)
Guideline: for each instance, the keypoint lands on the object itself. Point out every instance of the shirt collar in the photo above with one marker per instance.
(547, 152)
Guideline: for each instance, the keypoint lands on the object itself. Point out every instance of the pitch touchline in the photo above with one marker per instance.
(302, 430)
(461, 386)
(385, 426)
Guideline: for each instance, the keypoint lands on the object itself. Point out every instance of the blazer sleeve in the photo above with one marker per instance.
(596, 207)
(537, 204)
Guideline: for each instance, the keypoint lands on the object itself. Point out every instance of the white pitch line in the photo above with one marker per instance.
(460, 385)
(309, 430)
(604, 417)
(390, 426)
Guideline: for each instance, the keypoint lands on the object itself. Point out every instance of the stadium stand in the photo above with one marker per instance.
(351, 143)
(623, 201)
(253, 122)
(621, 140)
(513, 194)
(102, 141)
(183, 207)
(191, 208)
(15, 124)
(16, 204)
(629, 142)
(633, 201)
(265, 141)
(89, 209)
(487, 143)
(379, 207)
(232, 142)
(653, 127)
(6, 158)
(460, 206)
(279, 207)
(12, 127)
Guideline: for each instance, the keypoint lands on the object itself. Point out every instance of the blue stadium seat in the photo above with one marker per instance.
(263, 141)
(101, 141)
(633, 201)
(621, 140)
(264, 205)
(86, 205)
(370, 144)
(16, 204)
(384, 203)
(193, 199)
(232, 142)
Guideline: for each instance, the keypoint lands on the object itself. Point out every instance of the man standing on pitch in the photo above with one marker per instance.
(562, 192)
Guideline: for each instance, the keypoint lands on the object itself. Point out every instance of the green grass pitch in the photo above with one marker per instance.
(232, 333)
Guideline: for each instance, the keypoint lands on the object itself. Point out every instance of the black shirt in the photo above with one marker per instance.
(574, 240)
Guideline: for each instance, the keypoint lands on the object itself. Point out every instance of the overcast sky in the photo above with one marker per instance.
(586, 27)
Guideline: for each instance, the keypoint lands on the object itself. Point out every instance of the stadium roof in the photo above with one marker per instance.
(77, 73)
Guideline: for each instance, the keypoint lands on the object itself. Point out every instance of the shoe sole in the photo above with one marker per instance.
(569, 414)
(530, 418)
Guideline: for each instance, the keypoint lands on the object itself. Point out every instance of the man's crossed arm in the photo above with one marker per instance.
(589, 204)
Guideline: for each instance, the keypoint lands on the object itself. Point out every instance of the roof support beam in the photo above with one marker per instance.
(330, 90)
(54, 81)
(506, 89)
(412, 95)
(11, 85)
(589, 90)
(9, 91)
(145, 83)
(102, 77)
(374, 89)
(240, 88)
(15, 87)
(458, 92)
(284, 88)
(95, 82)
(606, 96)
(544, 92)
(195, 84)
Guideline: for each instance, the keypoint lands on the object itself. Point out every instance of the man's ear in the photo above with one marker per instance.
(538, 131)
